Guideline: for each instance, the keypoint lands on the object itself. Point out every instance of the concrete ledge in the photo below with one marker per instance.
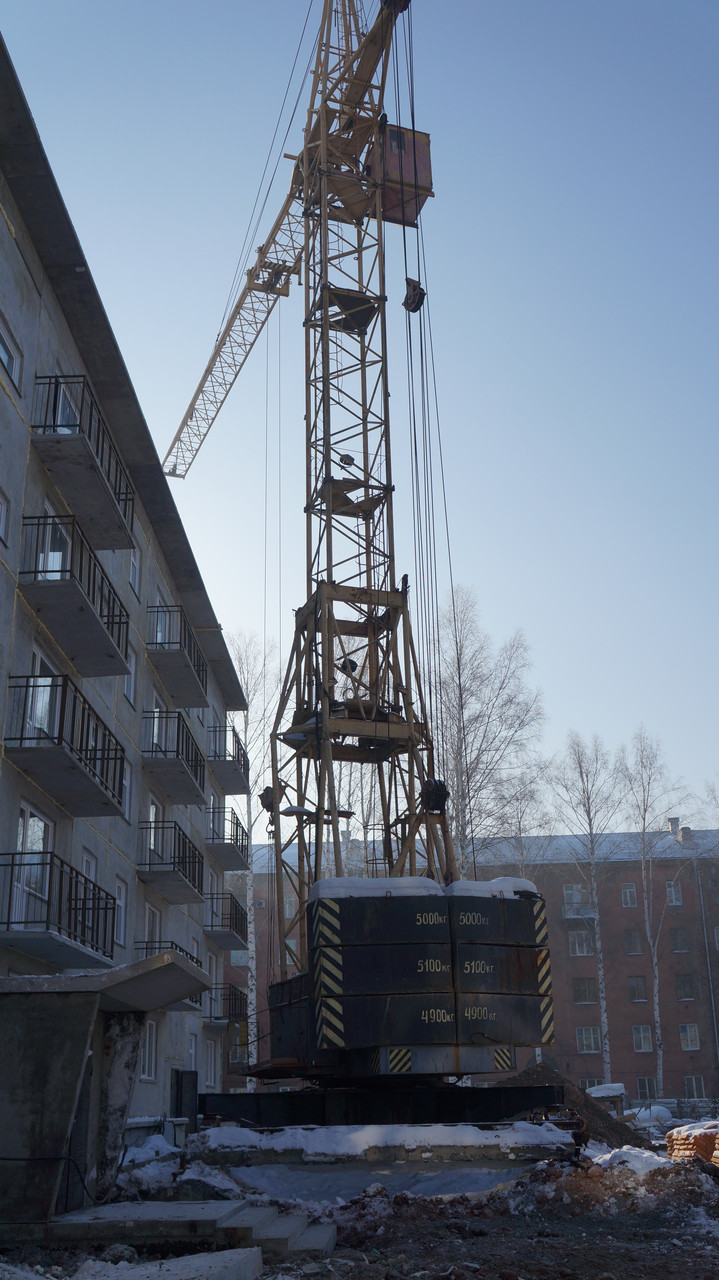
(232, 1264)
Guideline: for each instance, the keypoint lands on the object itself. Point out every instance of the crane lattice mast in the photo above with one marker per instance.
(351, 701)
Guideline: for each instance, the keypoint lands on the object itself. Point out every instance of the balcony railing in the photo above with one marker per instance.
(173, 756)
(174, 651)
(50, 720)
(226, 920)
(55, 551)
(577, 910)
(66, 407)
(227, 840)
(170, 862)
(42, 894)
(226, 1003)
(227, 758)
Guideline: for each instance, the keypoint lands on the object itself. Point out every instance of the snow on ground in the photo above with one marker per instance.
(653, 1116)
(336, 1184)
(353, 1141)
(151, 1149)
(635, 1158)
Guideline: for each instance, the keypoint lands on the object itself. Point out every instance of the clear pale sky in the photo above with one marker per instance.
(572, 275)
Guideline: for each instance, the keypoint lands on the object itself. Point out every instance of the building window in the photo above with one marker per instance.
(576, 895)
(588, 1040)
(581, 942)
(694, 1087)
(152, 925)
(679, 939)
(632, 942)
(148, 1065)
(130, 677)
(585, 990)
(683, 986)
(674, 893)
(637, 988)
(646, 1088)
(127, 789)
(120, 911)
(192, 1051)
(135, 570)
(629, 895)
(211, 1060)
(9, 355)
(591, 1082)
(689, 1035)
(642, 1036)
(4, 517)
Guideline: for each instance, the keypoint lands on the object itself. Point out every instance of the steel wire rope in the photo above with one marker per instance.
(252, 227)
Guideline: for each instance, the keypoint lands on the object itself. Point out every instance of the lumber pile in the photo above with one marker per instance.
(691, 1140)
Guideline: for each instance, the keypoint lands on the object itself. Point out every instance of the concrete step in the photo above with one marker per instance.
(246, 1225)
(316, 1241)
(147, 1223)
(277, 1239)
(231, 1264)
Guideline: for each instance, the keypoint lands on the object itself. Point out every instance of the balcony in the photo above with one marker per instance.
(65, 584)
(75, 447)
(52, 912)
(57, 739)
(175, 655)
(227, 840)
(172, 757)
(577, 911)
(155, 947)
(227, 759)
(224, 1004)
(171, 864)
(226, 921)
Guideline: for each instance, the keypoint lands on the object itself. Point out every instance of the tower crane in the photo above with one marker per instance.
(352, 695)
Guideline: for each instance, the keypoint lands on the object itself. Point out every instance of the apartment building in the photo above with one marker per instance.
(681, 872)
(118, 758)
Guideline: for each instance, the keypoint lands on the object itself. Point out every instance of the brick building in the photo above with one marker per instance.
(683, 878)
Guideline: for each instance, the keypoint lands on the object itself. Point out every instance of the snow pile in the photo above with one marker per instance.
(639, 1161)
(153, 1148)
(653, 1116)
(352, 1142)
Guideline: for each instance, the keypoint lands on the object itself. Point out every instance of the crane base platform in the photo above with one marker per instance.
(400, 1103)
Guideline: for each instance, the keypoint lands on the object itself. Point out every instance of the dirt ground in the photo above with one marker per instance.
(559, 1220)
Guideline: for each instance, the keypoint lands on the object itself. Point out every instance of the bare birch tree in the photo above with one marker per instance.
(589, 788)
(650, 798)
(489, 723)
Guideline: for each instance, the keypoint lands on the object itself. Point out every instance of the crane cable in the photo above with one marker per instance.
(424, 522)
(254, 221)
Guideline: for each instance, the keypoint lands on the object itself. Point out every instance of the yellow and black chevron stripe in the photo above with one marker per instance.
(546, 1008)
(503, 1059)
(544, 973)
(540, 923)
(327, 972)
(374, 1062)
(400, 1060)
(330, 1024)
(326, 923)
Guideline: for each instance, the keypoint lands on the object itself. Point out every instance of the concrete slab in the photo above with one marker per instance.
(317, 1241)
(144, 1223)
(278, 1239)
(248, 1225)
(232, 1264)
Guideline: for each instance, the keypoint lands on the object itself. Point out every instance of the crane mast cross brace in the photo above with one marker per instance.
(351, 726)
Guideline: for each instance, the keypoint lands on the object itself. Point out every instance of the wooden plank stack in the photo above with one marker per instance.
(690, 1140)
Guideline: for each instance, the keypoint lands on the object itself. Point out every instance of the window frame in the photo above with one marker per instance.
(592, 1034)
(677, 935)
(637, 978)
(589, 982)
(135, 575)
(211, 1056)
(693, 1077)
(674, 893)
(648, 1092)
(686, 980)
(13, 369)
(120, 930)
(148, 1063)
(632, 951)
(4, 517)
(629, 891)
(689, 1031)
(131, 677)
(574, 934)
(642, 1037)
